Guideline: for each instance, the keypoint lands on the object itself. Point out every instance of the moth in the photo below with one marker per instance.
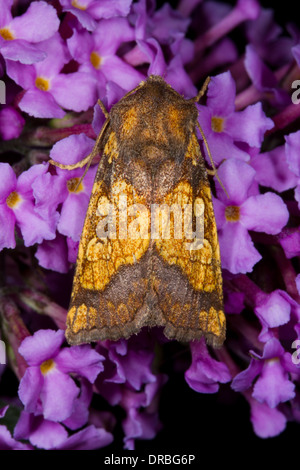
(136, 268)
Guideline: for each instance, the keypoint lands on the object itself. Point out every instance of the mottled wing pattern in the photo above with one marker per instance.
(110, 281)
(188, 283)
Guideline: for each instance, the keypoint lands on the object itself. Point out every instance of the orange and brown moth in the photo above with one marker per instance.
(139, 261)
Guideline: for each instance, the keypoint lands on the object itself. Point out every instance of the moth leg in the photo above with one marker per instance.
(87, 160)
(214, 170)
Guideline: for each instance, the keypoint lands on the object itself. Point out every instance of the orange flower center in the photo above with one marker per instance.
(73, 185)
(42, 83)
(13, 199)
(75, 4)
(46, 366)
(6, 34)
(217, 124)
(232, 213)
(95, 60)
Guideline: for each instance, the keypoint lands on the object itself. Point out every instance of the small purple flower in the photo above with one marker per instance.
(263, 79)
(266, 37)
(88, 11)
(266, 421)
(205, 373)
(17, 208)
(272, 385)
(49, 435)
(142, 421)
(273, 310)
(7, 442)
(292, 147)
(244, 210)
(63, 188)
(11, 123)
(97, 54)
(223, 127)
(47, 90)
(20, 36)
(55, 392)
(53, 254)
(289, 240)
(272, 170)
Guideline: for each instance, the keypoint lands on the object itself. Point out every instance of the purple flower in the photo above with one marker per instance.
(63, 187)
(244, 210)
(272, 170)
(266, 37)
(272, 385)
(53, 254)
(17, 208)
(223, 127)
(205, 373)
(97, 54)
(266, 421)
(47, 90)
(11, 123)
(46, 434)
(19, 36)
(55, 392)
(7, 442)
(104, 48)
(289, 240)
(292, 147)
(88, 11)
(273, 310)
(263, 79)
(129, 382)
(142, 421)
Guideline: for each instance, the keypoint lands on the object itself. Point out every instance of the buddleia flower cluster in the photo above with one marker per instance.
(54, 396)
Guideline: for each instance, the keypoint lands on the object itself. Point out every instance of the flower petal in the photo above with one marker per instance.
(244, 379)
(76, 91)
(22, 51)
(8, 443)
(221, 94)
(7, 227)
(40, 432)
(34, 228)
(28, 25)
(205, 372)
(11, 123)
(88, 438)
(72, 149)
(273, 387)
(43, 345)
(264, 213)
(266, 421)
(237, 177)
(8, 181)
(53, 254)
(249, 125)
(238, 254)
(82, 360)
(40, 104)
(29, 394)
(58, 395)
(292, 147)
(272, 170)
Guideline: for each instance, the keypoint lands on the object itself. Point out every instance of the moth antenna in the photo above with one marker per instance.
(201, 92)
(104, 110)
(211, 159)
